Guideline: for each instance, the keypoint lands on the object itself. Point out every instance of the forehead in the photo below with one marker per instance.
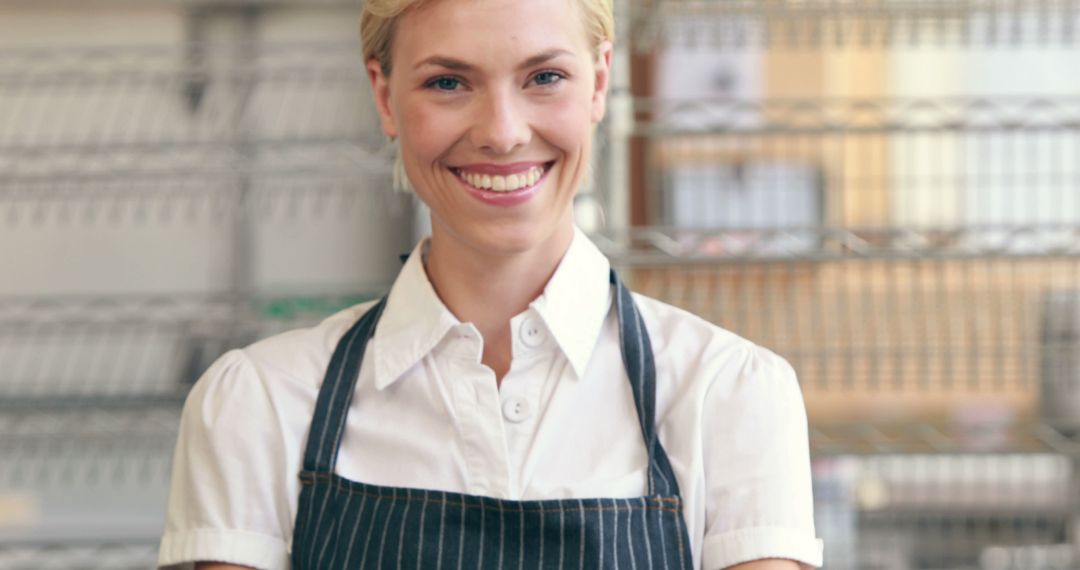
(488, 30)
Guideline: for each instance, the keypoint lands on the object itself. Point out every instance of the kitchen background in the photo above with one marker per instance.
(886, 192)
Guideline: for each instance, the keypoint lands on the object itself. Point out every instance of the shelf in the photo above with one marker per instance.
(793, 24)
(196, 94)
(856, 116)
(119, 555)
(111, 450)
(926, 438)
(131, 352)
(648, 246)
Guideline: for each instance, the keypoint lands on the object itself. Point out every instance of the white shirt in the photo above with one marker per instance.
(427, 414)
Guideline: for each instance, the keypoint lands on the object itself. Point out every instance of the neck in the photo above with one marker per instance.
(488, 289)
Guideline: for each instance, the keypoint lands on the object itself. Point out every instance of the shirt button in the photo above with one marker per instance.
(532, 333)
(516, 410)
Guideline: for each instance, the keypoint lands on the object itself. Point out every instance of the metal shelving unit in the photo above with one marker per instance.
(916, 258)
(131, 162)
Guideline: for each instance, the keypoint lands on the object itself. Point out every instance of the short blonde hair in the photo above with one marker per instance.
(379, 17)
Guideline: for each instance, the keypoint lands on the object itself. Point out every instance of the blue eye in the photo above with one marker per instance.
(445, 83)
(547, 78)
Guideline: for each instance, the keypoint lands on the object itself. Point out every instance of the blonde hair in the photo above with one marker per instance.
(379, 17)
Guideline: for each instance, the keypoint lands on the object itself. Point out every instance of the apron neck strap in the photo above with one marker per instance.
(335, 396)
(640, 366)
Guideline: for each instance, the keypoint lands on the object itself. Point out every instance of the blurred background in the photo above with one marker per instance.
(886, 192)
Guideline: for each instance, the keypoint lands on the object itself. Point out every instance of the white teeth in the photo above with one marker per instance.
(503, 183)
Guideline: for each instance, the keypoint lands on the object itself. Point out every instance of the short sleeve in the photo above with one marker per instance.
(759, 502)
(226, 499)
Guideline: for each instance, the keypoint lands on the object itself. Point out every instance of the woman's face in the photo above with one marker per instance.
(493, 102)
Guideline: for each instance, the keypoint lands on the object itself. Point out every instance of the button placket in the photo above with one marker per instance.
(477, 409)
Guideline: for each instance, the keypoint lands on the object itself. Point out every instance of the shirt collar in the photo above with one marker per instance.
(573, 306)
(413, 322)
(576, 300)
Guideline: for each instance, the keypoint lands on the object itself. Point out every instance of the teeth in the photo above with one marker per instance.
(503, 183)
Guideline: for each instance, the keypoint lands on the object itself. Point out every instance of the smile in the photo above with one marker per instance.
(502, 182)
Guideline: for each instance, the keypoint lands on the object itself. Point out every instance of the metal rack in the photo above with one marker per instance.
(190, 129)
(918, 262)
(811, 24)
(206, 152)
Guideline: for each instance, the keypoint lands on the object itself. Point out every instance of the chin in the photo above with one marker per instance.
(511, 238)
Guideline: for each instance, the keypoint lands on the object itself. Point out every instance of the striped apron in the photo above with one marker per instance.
(349, 524)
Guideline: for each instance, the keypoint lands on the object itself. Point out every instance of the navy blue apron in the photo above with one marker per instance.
(349, 524)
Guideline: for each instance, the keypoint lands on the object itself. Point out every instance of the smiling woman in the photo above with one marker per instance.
(482, 105)
(510, 402)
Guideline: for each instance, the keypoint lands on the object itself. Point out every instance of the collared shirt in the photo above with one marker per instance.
(428, 414)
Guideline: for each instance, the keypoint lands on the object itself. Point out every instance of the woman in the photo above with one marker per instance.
(509, 404)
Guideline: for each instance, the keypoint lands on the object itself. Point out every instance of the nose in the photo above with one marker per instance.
(500, 126)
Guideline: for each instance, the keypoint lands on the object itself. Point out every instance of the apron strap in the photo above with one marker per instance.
(335, 395)
(640, 366)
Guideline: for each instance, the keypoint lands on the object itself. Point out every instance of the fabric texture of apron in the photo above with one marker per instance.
(349, 524)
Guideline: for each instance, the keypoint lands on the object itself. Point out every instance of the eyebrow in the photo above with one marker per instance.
(458, 65)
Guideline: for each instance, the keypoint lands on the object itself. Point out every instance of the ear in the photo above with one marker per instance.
(602, 70)
(380, 87)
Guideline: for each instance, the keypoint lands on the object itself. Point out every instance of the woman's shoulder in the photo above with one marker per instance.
(674, 328)
(300, 355)
(695, 349)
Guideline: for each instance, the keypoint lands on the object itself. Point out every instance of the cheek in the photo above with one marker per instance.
(566, 126)
(430, 131)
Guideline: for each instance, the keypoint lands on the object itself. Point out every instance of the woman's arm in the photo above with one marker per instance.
(757, 468)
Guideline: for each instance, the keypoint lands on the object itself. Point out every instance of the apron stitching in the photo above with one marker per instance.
(401, 529)
(465, 505)
(461, 537)
(367, 538)
(442, 527)
(420, 541)
(386, 528)
(323, 553)
(356, 527)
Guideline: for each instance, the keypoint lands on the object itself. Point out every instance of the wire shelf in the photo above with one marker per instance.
(173, 198)
(106, 448)
(967, 510)
(795, 24)
(64, 556)
(1006, 436)
(689, 246)
(894, 115)
(906, 177)
(197, 94)
(131, 352)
